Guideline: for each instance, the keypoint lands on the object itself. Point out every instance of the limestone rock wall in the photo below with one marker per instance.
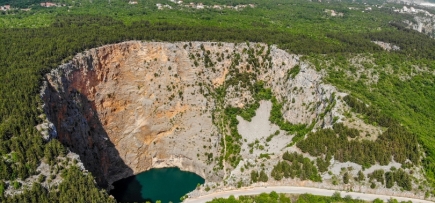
(305, 96)
(128, 107)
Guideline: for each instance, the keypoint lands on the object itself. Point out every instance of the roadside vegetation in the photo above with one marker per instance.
(274, 197)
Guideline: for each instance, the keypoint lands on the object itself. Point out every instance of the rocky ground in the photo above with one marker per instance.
(129, 107)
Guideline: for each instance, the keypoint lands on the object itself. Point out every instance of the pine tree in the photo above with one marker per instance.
(346, 178)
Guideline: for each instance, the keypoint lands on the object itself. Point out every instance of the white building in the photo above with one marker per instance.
(412, 9)
(200, 6)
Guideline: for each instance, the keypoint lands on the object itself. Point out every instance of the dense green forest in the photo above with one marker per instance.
(295, 165)
(34, 42)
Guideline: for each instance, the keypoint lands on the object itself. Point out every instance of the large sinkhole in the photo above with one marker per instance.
(130, 107)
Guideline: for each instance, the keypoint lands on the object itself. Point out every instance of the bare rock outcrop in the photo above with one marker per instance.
(128, 107)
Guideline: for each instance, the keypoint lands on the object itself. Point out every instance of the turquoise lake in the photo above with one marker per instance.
(165, 184)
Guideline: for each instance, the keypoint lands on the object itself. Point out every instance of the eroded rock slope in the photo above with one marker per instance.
(128, 107)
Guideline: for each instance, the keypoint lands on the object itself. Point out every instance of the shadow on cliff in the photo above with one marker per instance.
(79, 128)
(132, 193)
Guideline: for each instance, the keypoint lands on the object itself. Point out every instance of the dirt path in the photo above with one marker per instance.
(296, 190)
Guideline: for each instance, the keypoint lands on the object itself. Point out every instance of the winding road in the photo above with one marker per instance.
(295, 190)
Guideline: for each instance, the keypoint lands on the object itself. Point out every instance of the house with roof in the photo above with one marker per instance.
(47, 4)
(200, 6)
(5, 7)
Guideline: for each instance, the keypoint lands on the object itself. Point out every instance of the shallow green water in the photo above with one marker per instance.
(165, 184)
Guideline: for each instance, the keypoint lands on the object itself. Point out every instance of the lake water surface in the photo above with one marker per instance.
(165, 184)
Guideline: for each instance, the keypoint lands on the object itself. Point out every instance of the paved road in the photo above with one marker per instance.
(296, 190)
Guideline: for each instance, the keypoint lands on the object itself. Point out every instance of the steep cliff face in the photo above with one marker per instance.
(128, 107)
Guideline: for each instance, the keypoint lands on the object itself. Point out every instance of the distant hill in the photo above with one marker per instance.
(20, 3)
